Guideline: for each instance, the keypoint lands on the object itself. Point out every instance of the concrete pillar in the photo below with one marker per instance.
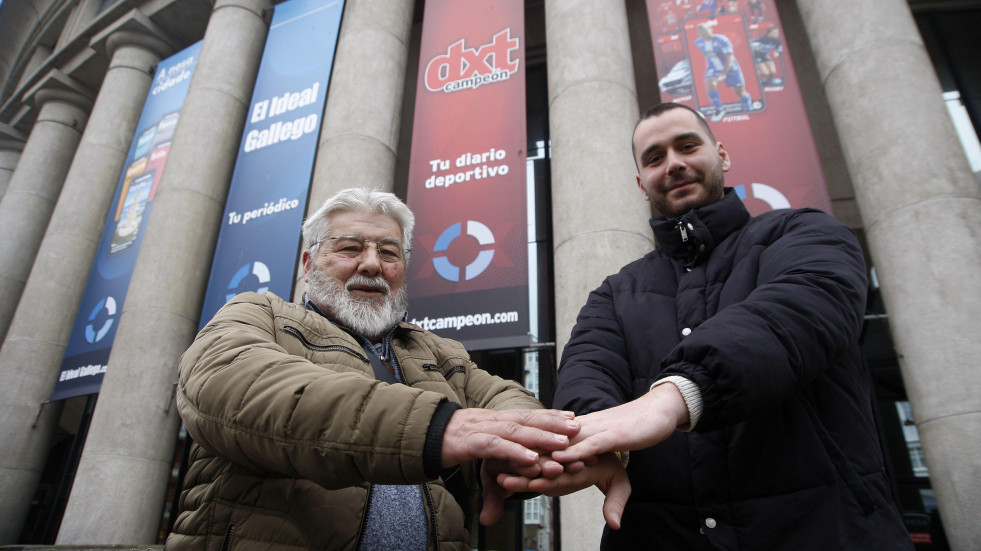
(359, 137)
(921, 210)
(11, 147)
(26, 207)
(35, 346)
(360, 132)
(599, 218)
(121, 483)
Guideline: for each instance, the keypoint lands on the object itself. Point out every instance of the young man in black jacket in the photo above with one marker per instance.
(727, 362)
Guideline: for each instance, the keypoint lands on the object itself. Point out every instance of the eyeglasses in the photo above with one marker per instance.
(353, 246)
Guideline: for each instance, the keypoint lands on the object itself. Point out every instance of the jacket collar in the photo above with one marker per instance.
(693, 236)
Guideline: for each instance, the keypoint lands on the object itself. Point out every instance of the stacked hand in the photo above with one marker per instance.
(589, 461)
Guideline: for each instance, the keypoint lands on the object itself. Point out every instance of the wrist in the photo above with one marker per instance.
(685, 398)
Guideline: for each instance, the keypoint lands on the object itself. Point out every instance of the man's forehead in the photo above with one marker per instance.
(362, 222)
(670, 126)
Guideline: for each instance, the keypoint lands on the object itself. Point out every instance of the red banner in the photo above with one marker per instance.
(468, 274)
(728, 59)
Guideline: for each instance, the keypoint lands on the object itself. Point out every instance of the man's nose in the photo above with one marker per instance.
(370, 261)
(676, 163)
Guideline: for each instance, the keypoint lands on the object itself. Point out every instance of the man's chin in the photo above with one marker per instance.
(376, 301)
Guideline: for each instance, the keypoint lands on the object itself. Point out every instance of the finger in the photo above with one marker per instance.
(616, 499)
(476, 433)
(561, 485)
(492, 506)
(574, 467)
(492, 498)
(490, 446)
(581, 451)
(551, 468)
(514, 483)
(548, 420)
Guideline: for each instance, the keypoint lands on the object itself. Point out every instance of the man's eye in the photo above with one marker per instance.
(350, 248)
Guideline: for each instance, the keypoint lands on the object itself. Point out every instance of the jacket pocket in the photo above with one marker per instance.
(289, 329)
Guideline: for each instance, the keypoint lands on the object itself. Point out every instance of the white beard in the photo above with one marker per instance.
(370, 317)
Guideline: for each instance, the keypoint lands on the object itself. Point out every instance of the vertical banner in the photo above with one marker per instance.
(267, 196)
(468, 274)
(727, 59)
(95, 324)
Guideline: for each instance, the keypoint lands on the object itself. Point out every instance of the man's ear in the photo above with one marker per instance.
(642, 190)
(307, 261)
(726, 161)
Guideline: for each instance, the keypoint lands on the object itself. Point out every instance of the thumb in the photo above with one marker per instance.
(617, 494)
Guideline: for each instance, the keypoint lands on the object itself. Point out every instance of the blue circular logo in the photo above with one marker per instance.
(258, 269)
(93, 335)
(452, 272)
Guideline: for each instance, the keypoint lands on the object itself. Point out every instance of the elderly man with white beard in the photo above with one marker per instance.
(333, 424)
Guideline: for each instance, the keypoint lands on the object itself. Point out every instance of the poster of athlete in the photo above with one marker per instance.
(728, 60)
(722, 66)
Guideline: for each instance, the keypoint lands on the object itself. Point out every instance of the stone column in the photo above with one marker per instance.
(921, 210)
(119, 489)
(599, 217)
(360, 132)
(26, 207)
(32, 353)
(359, 137)
(11, 147)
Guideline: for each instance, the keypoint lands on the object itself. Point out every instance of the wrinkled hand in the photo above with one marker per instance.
(509, 435)
(638, 424)
(607, 474)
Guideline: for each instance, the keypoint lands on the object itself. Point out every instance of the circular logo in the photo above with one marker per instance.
(764, 193)
(451, 272)
(258, 269)
(93, 335)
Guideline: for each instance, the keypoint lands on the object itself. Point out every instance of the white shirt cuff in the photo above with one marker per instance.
(692, 396)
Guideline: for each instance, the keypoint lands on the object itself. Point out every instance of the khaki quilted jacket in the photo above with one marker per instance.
(290, 428)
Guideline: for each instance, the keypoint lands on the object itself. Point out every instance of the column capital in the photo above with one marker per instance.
(57, 86)
(134, 28)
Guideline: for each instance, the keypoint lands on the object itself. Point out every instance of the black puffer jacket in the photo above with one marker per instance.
(764, 315)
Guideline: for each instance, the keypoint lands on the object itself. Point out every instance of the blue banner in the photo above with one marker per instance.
(260, 232)
(97, 319)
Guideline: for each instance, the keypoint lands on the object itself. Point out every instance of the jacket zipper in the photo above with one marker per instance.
(364, 517)
(399, 375)
(321, 347)
(684, 233)
(432, 515)
(225, 545)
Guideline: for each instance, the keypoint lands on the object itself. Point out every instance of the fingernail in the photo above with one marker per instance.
(561, 438)
(531, 455)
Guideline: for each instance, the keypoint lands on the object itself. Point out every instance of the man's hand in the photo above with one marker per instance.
(493, 494)
(607, 474)
(508, 435)
(636, 425)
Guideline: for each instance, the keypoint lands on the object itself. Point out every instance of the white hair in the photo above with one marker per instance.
(376, 201)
